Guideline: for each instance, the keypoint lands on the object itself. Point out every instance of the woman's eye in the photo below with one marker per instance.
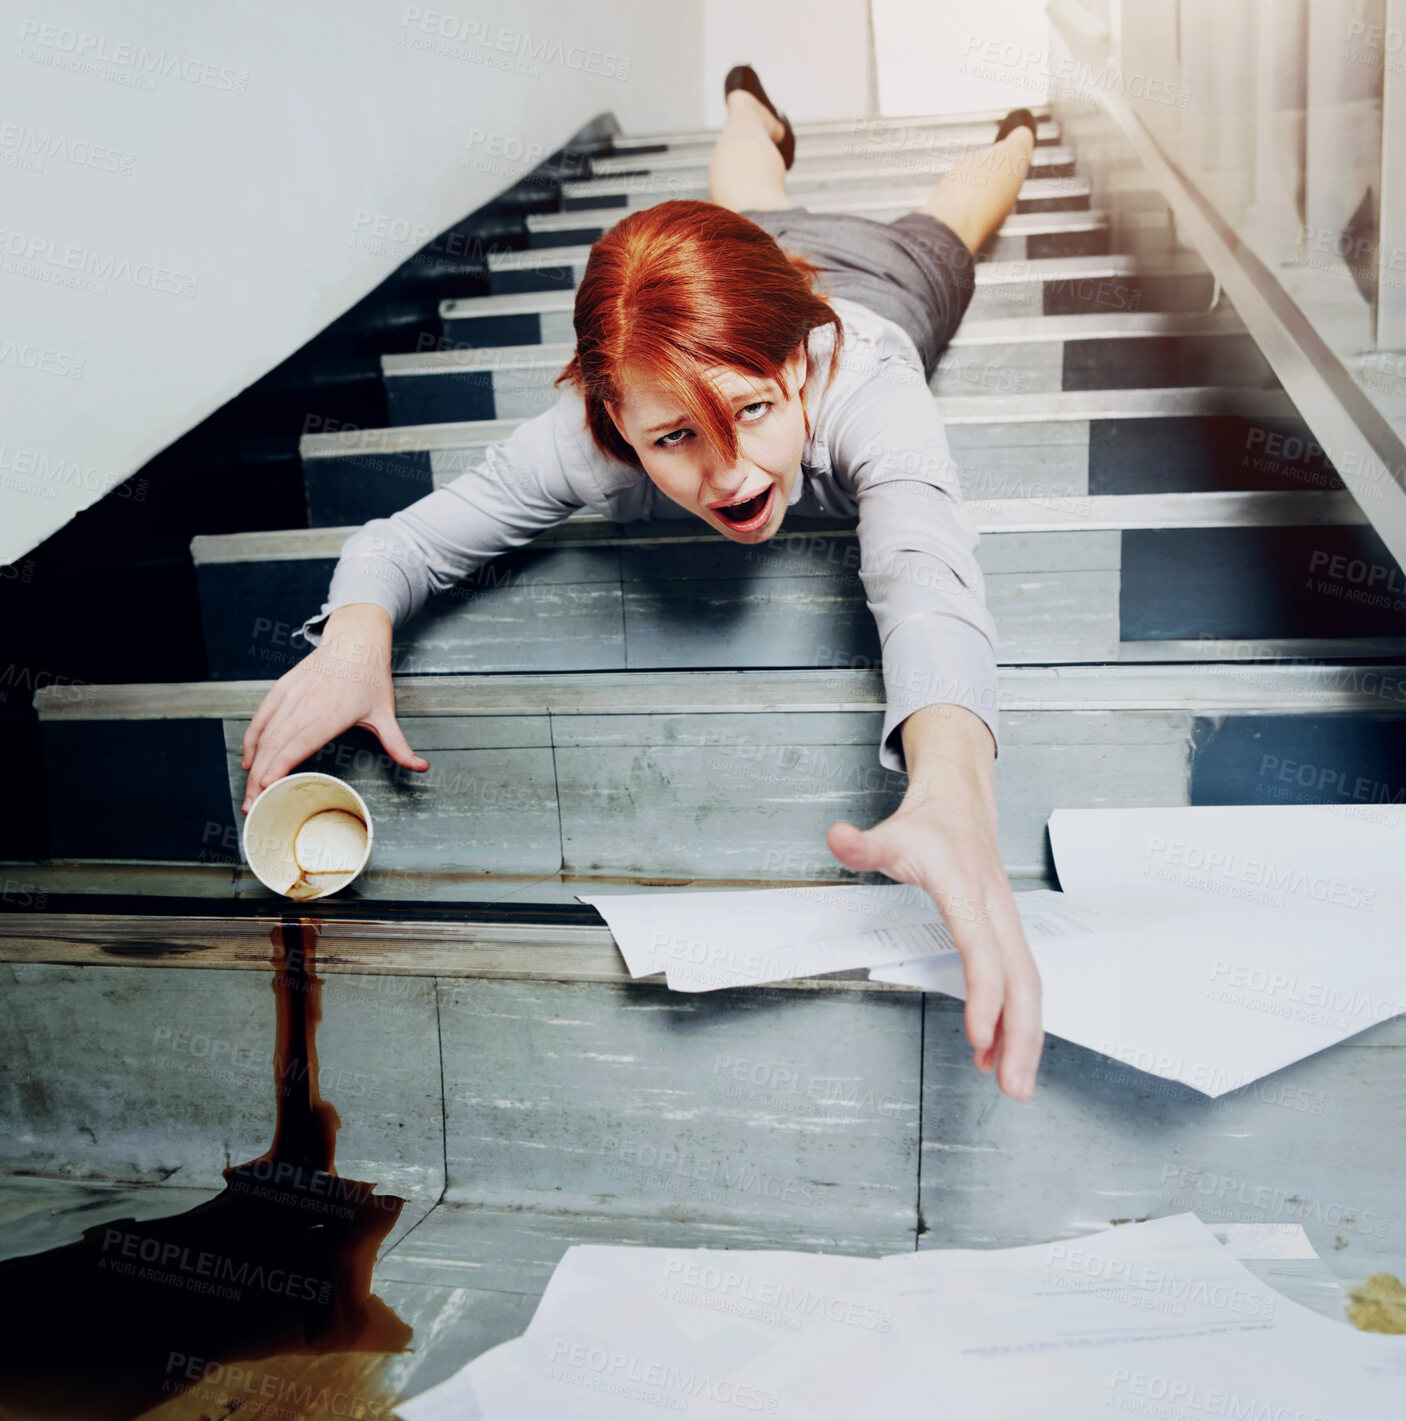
(677, 436)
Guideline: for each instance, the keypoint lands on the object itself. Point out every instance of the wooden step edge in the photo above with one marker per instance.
(1236, 687)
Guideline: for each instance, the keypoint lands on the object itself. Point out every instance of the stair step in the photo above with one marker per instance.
(803, 180)
(1049, 221)
(1022, 236)
(1049, 445)
(1038, 194)
(975, 127)
(990, 516)
(891, 142)
(1053, 286)
(1014, 355)
(704, 774)
(821, 162)
(1067, 581)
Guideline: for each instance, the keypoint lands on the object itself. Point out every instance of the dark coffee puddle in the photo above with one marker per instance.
(138, 1312)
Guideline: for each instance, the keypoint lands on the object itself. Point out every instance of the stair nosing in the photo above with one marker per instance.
(1015, 272)
(1204, 687)
(975, 118)
(1032, 190)
(1048, 156)
(1018, 224)
(991, 517)
(1044, 407)
(1014, 330)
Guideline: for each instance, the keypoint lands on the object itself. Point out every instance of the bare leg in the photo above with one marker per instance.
(976, 196)
(746, 169)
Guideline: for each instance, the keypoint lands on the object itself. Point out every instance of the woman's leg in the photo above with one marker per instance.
(976, 196)
(746, 169)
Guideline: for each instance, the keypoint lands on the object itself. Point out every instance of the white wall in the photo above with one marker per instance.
(958, 56)
(189, 192)
(812, 55)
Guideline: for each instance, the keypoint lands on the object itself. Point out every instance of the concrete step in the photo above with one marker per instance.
(1033, 229)
(1071, 580)
(435, 1099)
(1048, 445)
(1014, 355)
(860, 169)
(924, 152)
(1037, 195)
(1023, 235)
(893, 141)
(1051, 286)
(977, 127)
(706, 774)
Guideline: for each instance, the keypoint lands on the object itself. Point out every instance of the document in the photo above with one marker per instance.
(1151, 1319)
(1246, 937)
(1137, 1319)
(1207, 945)
(706, 941)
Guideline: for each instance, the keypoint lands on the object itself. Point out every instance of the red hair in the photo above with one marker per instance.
(680, 287)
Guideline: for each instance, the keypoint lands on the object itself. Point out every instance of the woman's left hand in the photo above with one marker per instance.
(942, 838)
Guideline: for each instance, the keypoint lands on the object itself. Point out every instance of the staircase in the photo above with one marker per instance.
(1158, 526)
(1173, 568)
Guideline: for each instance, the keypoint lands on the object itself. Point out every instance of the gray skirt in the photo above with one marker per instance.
(915, 270)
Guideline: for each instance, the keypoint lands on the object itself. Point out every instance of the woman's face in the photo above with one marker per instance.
(747, 500)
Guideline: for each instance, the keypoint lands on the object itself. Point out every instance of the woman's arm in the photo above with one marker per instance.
(524, 484)
(345, 682)
(388, 570)
(927, 593)
(942, 837)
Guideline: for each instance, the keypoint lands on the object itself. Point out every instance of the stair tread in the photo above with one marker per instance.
(1017, 224)
(1036, 189)
(1077, 512)
(1014, 330)
(801, 175)
(992, 273)
(895, 137)
(1045, 406)
(1225, 686)
(845, 156)
(972, 119)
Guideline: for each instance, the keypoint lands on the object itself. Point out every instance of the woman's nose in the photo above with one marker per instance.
(724, 483)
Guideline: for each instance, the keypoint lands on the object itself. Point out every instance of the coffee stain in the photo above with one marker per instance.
(1378, 1305)
(138, 1312)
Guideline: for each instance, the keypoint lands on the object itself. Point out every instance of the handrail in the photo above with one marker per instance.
(1366, 448)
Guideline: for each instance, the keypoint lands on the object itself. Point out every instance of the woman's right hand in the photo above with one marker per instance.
(345, 682)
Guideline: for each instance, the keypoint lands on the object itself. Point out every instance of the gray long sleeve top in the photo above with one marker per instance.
(877, 449)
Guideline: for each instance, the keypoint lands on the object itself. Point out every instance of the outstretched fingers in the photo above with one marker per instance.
(1002, 1017)
(1003, 992)
(265, 713)
(393, 741)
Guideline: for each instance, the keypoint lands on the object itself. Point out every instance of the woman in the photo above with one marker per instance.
(711, 378)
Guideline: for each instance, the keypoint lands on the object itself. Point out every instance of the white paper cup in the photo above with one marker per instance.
(307, 836)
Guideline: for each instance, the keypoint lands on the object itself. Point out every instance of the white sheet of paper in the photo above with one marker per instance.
(1148, 1319)
(741, 935)
(1194, 981)
(1129, 1319)
(626, 1332)
(1344, 860)
(708, 941)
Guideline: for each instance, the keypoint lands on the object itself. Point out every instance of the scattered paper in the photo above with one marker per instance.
(1246, 937)
(1145, 1316)
(706, 941)
(1150, 1319)
(1206, 945)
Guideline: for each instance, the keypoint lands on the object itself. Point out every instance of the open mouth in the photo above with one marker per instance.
(750, 513)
